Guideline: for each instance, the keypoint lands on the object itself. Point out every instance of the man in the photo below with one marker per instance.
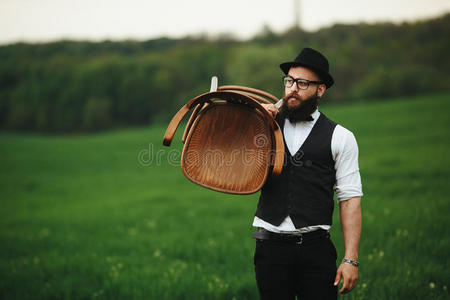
(294, 255)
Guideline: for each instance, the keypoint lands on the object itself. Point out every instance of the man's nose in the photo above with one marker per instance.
(294, 87)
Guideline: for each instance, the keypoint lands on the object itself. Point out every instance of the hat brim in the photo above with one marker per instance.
(326, 78)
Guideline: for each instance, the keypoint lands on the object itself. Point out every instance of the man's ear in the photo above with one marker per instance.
(321, 90)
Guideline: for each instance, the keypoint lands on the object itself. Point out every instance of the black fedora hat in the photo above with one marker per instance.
(311, 59)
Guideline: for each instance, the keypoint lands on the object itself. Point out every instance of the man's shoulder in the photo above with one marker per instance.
(341, 130)
(344, 138)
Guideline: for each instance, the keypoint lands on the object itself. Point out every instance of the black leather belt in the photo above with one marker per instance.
(297, 238)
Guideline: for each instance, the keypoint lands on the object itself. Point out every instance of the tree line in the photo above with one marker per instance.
(69, 86)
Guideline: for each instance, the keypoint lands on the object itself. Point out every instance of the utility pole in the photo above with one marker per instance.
(297, 8)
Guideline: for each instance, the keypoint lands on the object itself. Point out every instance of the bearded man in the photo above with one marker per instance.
(294, 255)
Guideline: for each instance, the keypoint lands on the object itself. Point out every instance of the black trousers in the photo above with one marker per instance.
(286, 270)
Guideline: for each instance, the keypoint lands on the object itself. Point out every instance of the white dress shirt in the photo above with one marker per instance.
(344, 150)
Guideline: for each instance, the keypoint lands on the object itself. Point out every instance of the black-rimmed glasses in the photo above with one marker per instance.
(302, 84)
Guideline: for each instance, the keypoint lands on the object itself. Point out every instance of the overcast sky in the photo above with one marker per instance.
(45, 20)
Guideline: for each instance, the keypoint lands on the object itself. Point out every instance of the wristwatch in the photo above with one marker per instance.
(350, 262)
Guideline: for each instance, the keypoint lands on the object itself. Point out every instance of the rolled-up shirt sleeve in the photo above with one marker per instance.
(344, 149)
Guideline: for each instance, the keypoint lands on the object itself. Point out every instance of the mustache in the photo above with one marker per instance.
(292, 94)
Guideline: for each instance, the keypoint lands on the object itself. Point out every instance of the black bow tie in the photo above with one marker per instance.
(299, 119)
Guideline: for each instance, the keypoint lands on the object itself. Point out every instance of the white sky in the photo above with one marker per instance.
(44, 20)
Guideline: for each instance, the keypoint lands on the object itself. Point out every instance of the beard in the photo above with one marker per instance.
(303, 111)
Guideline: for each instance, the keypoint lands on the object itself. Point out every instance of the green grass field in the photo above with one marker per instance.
(84, 217)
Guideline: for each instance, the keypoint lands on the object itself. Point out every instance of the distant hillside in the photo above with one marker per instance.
(72, 86)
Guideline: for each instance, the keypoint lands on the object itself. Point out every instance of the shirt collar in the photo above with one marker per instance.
(315, 115)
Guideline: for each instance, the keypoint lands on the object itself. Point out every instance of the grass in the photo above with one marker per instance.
(110, 216)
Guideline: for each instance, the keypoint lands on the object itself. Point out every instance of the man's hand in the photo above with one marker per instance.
(271, 108)
(349, 274)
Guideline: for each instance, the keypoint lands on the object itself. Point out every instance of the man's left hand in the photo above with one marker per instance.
(349, 274)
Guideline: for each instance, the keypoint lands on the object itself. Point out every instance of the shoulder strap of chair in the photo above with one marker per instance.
(278, 160)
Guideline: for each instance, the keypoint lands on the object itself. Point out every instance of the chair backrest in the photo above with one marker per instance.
(230, 141)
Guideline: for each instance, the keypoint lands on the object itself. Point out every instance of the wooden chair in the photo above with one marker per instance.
(231, 143)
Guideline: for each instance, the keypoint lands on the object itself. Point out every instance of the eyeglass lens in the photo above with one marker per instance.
(302, 84)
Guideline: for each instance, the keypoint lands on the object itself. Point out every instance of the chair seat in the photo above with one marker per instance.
(228, 149)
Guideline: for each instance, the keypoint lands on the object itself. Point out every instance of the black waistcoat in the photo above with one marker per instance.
(304, 190)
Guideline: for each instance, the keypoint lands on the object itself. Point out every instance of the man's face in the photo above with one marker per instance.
(298, 95)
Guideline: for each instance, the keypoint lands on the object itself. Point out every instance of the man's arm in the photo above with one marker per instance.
(350, 214)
